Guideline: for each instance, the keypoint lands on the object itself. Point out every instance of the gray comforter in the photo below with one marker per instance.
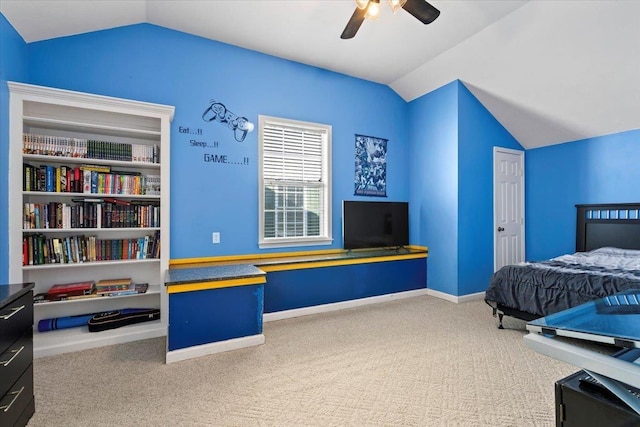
(545, 287)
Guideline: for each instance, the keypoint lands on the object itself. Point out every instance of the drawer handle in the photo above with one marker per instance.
(15, 354)
(15, 310)
(17, 393)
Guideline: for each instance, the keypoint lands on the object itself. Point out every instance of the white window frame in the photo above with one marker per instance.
(325, 237)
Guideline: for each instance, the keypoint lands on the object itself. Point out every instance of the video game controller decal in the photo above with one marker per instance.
(216, 111)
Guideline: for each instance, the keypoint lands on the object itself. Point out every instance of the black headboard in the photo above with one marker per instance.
(614, 224)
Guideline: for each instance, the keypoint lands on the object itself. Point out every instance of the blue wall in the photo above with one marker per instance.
(451, 181)
(13, 67)
(433, 183)
(155, 64)
(478, 133)
(439, 151)
(595, 170)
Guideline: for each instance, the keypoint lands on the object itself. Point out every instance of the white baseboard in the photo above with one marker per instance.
(471, 297)
(455, 299)
(212, 348)
(68, 340)
(305, 311)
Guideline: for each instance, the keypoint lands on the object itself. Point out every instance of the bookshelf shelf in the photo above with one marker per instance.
(153, 291)
(83, 160)
(44, 121)
(92, 264)
(91, 195)
(56, 342)
(89, 230)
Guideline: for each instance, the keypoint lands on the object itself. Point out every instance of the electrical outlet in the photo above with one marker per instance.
(215, 237)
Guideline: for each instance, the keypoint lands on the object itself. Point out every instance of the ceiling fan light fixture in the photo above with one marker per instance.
(396, 5)
(373, 10)
(362, 4)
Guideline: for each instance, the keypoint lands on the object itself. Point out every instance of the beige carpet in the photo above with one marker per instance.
(414, 362)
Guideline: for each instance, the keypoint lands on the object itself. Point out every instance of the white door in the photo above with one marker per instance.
(508, 206)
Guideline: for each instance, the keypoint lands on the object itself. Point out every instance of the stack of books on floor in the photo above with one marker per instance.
(91, 289)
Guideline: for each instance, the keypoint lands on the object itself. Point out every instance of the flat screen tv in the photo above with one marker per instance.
(375, 224)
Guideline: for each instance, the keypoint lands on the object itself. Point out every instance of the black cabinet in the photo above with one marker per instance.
(16, 354)
(582, 402)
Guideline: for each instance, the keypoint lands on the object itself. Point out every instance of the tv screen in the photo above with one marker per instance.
(375, 224)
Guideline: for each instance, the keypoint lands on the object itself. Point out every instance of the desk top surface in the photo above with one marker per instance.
(13, 291)
(181, 276)
(614, 317)
(251, 268)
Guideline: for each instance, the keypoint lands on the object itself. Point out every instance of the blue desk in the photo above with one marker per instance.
(214, 306)
(214, 309)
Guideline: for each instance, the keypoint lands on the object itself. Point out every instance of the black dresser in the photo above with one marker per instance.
(16, 354)
(582, 402)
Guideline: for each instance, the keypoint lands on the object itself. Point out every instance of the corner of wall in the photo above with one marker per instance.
(479, 133)
(433, 175)
(13, 66)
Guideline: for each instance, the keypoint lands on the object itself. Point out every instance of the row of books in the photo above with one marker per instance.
(93, 179)
(49, 145)
(38, 249)
(91, 289)
(91, 213)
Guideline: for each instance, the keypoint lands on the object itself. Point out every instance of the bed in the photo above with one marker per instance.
(606, 261)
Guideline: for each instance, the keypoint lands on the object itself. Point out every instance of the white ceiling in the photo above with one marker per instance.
(549, 71)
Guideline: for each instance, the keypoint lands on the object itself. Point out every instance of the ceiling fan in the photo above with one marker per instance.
(370, 9)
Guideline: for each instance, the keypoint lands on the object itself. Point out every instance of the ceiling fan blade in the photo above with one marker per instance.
(354, 24)
(421, 10)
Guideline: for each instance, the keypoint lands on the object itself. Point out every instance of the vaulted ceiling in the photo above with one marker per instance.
(549, 71)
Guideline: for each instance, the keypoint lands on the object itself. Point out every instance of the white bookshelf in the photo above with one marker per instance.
(67, 114)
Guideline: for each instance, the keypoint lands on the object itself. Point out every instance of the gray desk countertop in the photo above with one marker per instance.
(181, 276)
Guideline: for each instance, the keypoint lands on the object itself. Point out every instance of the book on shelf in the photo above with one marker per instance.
(152, 185)
(95, 179)
(117, 201)
(62, 297)
(50, 178)
(72, 289)
(27, 171)
(132, 289)
(109, 283)
(40, 179)
(38, 249)
(48, 145)
(95, 168)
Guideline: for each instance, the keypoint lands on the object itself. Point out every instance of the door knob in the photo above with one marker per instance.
(500, 229)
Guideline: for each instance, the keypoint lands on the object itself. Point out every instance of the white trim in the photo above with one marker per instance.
(455, 299)
(521, 154)
(610, 367)
(325, 239)
(82, 113)
(290, 243)
(471, 297)
(79, 99)
(324, 308)
(213, 348)
(64, 344)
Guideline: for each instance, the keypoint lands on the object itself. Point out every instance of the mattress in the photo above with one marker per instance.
(545, 287)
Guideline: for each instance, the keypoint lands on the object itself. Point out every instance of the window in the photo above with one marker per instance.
(295, 184)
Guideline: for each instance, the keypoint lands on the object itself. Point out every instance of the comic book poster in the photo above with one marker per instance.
(371, 166)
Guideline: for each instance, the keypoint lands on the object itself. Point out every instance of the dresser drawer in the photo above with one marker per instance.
(20, 395)
(15, 360)
(15, 318)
